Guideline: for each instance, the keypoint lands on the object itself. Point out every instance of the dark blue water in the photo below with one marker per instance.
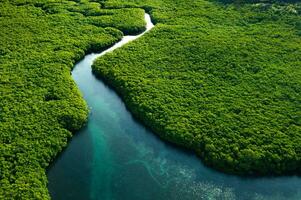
(116, 158)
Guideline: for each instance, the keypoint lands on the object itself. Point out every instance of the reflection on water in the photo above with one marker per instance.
(114, 157)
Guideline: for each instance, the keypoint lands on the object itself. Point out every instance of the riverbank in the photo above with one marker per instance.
(222, 84)
(40, 105)
(222, 76)
(115, 157)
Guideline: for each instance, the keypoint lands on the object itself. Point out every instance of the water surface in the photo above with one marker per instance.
(116, 158)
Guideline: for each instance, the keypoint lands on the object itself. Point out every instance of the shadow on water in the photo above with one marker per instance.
(115, 157)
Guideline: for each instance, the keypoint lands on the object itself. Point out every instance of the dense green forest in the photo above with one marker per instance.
(40, 105)
(224, 80)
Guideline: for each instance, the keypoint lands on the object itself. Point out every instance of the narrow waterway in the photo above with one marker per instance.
(116, 158)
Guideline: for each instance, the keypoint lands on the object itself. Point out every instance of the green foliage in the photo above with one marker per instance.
(40, 104)
(224, 81)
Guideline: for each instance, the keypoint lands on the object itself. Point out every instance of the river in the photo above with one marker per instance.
(116, 158)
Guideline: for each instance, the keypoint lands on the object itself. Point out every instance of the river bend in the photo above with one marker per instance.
(116, 158)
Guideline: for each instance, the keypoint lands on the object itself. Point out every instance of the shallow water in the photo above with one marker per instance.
(114, 157)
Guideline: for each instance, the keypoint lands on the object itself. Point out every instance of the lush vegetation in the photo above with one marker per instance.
(39, 103)
(224, 80)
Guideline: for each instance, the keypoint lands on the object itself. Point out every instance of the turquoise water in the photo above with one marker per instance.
(116, 158)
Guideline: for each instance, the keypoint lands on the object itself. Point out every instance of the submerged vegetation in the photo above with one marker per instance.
(223, 80)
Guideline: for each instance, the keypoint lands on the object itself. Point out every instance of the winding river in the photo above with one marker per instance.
(116, 158)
